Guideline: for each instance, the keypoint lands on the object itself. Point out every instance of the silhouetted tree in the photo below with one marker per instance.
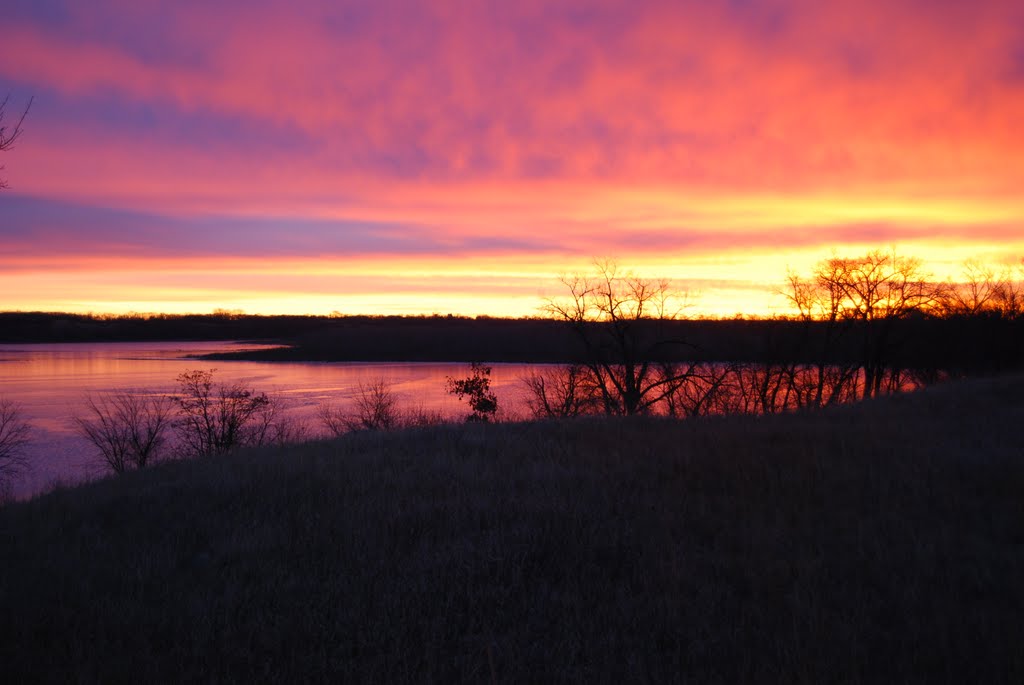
(375, 407)
(561, 392)
(763, 388)
(984, 290)
(270, 425)
(974, 294)
(218, 419)
(871, 292)
(334, 419)
(128, 428)
(14, 435)
(9, 135)
(708, 389)
(819, 301)
(1009, 296)
(476, 388)
(615, 315)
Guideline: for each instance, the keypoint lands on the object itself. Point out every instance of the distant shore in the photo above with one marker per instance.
(971, 344)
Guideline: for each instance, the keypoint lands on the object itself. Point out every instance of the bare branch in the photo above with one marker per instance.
(14, 435)
(218, 419)
(128, 428)
(616, 316)
(9, 136)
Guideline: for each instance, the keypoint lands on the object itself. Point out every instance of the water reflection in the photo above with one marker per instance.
(50, 382)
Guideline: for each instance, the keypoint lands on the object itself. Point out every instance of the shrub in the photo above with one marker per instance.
(128, 428)
(14, 433)
(375, 408)
(477, 389)
(219, 419)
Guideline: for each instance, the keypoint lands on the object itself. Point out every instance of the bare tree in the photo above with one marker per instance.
(288, 430)
(878, 289)
(763, 388)
(881, 285)
(820, 385)
(561, 392)
(708, 389)
(334, 419)
(616, 316)
(14, 435)
(271, 425)
(820, 303)
(9, 135)
(870, 292)
(375, 407)
(218, 419)
(978, 291)
(1009, 298)
(128, 428)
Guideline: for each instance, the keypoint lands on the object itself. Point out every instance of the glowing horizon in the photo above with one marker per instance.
(410, 158)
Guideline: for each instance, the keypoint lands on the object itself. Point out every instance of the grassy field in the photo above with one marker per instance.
(881, 542)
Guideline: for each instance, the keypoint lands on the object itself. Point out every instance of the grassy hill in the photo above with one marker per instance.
(875, 542)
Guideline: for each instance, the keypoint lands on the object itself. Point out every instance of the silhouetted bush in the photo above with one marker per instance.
(128, 428)
(14, 435)
(374, 407)
(561, 392)
(476, 389)
(217, 419)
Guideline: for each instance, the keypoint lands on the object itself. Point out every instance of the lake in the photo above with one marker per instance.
(51, 381)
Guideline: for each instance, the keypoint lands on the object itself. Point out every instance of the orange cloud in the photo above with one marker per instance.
(668, 134)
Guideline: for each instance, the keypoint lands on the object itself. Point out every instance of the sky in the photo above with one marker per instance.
(414, 157)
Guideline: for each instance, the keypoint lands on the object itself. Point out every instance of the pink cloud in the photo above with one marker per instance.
(639, 128)
(829, 94)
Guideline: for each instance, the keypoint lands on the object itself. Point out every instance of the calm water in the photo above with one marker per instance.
(50, 381)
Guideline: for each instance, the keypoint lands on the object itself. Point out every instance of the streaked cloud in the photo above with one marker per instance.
(536, 133)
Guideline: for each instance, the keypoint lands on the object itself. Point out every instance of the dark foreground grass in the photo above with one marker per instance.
(875, 543)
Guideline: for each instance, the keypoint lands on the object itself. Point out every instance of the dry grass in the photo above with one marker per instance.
(876, 542)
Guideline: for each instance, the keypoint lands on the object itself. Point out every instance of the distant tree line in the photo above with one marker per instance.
(40, 327)
(864, 326)
(846, 310)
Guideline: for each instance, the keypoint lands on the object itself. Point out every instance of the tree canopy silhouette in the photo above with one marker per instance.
(866, 294)
(616, 316)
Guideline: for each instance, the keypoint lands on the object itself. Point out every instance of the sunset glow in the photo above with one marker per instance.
(402, 157)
